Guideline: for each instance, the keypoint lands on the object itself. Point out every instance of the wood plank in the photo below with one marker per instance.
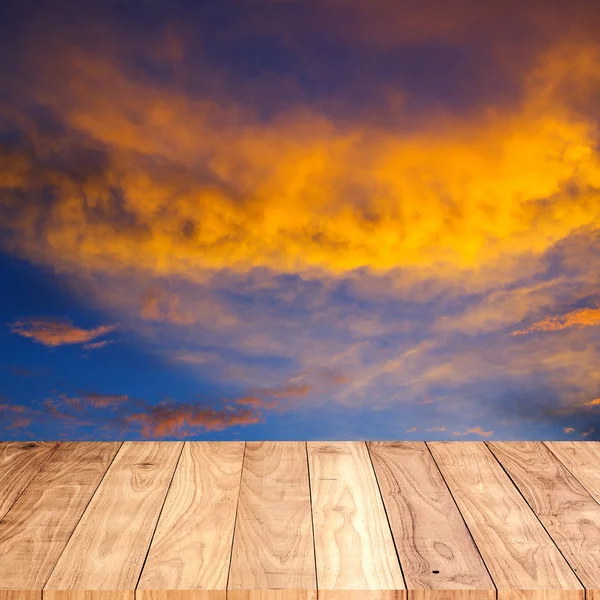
(437, 553)
(104, 557)
(273, 552)
(355, 553)
(191, 549)
(568, 512)
(583, 460)
(37, 528)
(522, 559)
(19, 464)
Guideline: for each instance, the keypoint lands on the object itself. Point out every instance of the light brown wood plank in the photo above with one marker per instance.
(568, 512)
(20, 594)
(37, 528)
(354, 548)
(273, 552)
(19, 464)
(191, 549)
(106, 552)
(437, 553)
(583, 460)
(522, 559)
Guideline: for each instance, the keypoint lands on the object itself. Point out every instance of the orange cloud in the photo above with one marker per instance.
(474, 431)
(20, 423)
(300, 193)
(569, 430)
(159, 305)
(584, 317)
(290, 391)
(183, 420)
(436, 429)
(57, 333)
(268, 398)
(594, 402)
(411, 430)
(60, 406)
(255, 402)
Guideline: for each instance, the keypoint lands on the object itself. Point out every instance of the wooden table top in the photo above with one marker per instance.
(299, 520)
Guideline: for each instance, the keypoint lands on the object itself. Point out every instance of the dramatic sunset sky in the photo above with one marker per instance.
(300, 219)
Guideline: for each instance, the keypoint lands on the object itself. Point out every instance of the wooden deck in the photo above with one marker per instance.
(295, 521)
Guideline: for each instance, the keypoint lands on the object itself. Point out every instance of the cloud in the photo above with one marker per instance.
(168, 418)
(569, 430)
(583, 317)
(394, 243)
(182, 420)
(97, 345)
(474, 431)
(57, 333)
(158, 305)
(269, 398)
(70, 407)
(594, 402)
(189, 186)
(105, 400)
(15, 416)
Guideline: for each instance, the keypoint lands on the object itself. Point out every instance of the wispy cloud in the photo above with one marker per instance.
(97, 345)
(583, 317)
(182, 420)
(58, 333)
(474, 431)
(159, 305)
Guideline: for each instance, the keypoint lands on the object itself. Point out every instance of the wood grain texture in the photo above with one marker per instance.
(583, 460)
(20, 594)
(354, 549)
(522, 559)
(37, 528)
(437, 553)
(273, 554)
(568, 512)
(191, 549)
(89, 594)
(108, 547)
(19, 463)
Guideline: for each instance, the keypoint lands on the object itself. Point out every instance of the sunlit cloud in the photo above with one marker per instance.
(308, 252)
(474, 431)
(58, 333)
(158, 305)
(584, 317)
(458, 194)
(183, 420)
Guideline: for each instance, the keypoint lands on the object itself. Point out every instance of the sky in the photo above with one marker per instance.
(300, 219)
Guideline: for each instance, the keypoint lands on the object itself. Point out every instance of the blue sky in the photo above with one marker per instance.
(285, 220)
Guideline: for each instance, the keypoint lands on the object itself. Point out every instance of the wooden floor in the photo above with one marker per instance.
(295, 520)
